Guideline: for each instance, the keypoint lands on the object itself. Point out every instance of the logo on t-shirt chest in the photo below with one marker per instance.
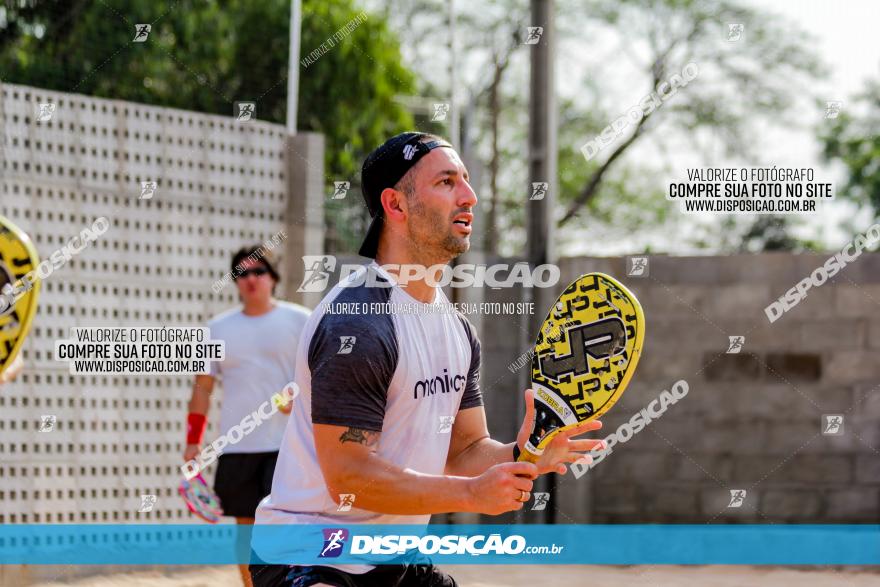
(444, 383)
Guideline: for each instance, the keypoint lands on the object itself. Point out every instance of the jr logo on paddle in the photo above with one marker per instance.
(600, 340)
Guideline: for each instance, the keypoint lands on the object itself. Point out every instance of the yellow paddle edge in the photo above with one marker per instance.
(18, 257)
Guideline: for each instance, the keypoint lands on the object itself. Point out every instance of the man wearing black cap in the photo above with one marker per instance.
(389, 427)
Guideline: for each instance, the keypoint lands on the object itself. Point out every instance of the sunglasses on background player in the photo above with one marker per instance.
(256, 271)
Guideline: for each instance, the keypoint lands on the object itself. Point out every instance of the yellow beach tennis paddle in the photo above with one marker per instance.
(18, 302)
(585, 355)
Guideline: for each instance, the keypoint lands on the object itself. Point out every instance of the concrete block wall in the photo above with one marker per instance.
(753, 420)
(221, 185)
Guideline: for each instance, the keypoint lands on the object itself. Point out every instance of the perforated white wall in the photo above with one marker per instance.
(221, 184)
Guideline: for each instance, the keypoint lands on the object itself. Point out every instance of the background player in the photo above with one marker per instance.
(261, 340)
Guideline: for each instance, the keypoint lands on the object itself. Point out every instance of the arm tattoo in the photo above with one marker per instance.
(366, 437)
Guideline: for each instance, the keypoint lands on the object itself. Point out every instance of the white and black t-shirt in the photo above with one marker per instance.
(260, 361)
(402, 374)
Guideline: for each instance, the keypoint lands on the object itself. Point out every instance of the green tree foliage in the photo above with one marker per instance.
(206, 55)
(853, 138)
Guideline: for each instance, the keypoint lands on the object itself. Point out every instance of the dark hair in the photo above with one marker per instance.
(257, 253)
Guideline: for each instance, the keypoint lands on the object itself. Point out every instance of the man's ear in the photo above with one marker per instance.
(394, 204)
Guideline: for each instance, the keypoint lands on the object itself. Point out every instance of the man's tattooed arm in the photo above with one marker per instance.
(366, 437)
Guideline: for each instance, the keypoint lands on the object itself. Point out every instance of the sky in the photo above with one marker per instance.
(847, 33)
(849, 43)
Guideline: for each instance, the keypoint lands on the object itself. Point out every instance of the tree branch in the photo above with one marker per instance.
(658, 72)
(592, 187)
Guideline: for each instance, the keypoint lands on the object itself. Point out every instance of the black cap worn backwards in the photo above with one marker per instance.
(382, 169)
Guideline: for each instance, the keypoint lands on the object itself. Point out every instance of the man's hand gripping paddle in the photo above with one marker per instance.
(18, 297)
(585, 355)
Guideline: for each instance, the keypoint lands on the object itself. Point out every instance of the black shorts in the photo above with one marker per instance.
(242, 480)
(426, 575)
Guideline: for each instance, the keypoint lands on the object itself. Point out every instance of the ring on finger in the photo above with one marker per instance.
(523, 496)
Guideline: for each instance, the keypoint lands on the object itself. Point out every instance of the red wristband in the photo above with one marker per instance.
(195, 428)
